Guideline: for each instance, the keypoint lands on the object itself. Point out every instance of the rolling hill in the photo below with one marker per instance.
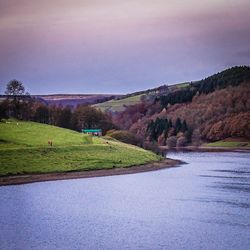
(76, 99)
(119, 104)
(24, 149)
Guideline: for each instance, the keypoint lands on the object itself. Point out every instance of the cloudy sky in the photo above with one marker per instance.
(117, 46)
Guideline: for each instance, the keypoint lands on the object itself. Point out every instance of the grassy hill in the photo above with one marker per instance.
(24, 149)
(119, 105)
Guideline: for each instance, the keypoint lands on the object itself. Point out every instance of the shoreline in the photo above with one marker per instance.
(207, 149)
(31, 178)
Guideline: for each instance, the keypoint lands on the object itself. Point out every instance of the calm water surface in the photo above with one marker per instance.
(201, 205)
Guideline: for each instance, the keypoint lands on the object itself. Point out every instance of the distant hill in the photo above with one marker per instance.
(180, 92)
(212, 109)
(71, 100)
(119, 104)
(74, 100)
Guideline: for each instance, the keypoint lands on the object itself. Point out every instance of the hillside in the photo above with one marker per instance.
(176, 93)
(24, 149)
(208, 110)
(119, 104)
(74, 100)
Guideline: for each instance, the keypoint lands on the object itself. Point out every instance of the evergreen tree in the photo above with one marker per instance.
(170, 123)
(184, 126)
(178, 125)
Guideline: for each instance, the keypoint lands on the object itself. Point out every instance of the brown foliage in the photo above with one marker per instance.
(124, 136)
(181, 141)
(161, 140)
(233, 126)
(215, 116)
(171, 141)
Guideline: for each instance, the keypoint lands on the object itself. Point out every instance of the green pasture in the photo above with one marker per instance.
(24, 149)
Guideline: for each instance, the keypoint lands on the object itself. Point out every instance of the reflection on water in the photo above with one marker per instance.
(201, 205)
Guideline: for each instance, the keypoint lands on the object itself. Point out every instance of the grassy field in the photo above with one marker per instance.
(24, 149)
(118, 105)
(229, 144)
(179, 86)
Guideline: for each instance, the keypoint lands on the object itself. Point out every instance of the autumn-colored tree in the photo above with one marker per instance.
(41, 114)
(181, 141)
(65, 118)
(89, 117)
(171, 141)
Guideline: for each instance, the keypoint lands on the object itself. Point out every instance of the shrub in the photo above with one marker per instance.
(171, 141)
(125, 136)
(181, 141)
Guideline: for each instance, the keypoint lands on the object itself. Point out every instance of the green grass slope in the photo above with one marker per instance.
(229, 144)
(37, 134)
(24, 149)
(118, 105)
(121, 104)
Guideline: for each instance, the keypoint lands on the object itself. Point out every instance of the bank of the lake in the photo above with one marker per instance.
(206, 149)
(228, 144)
(30, 178)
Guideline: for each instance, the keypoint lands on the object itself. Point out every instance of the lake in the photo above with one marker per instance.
(200, 205)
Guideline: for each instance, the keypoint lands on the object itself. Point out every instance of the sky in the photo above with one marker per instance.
(117, 46)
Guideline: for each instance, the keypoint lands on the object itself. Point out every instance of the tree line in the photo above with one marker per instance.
(21, 105)
(161, 130)
(233, 76)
